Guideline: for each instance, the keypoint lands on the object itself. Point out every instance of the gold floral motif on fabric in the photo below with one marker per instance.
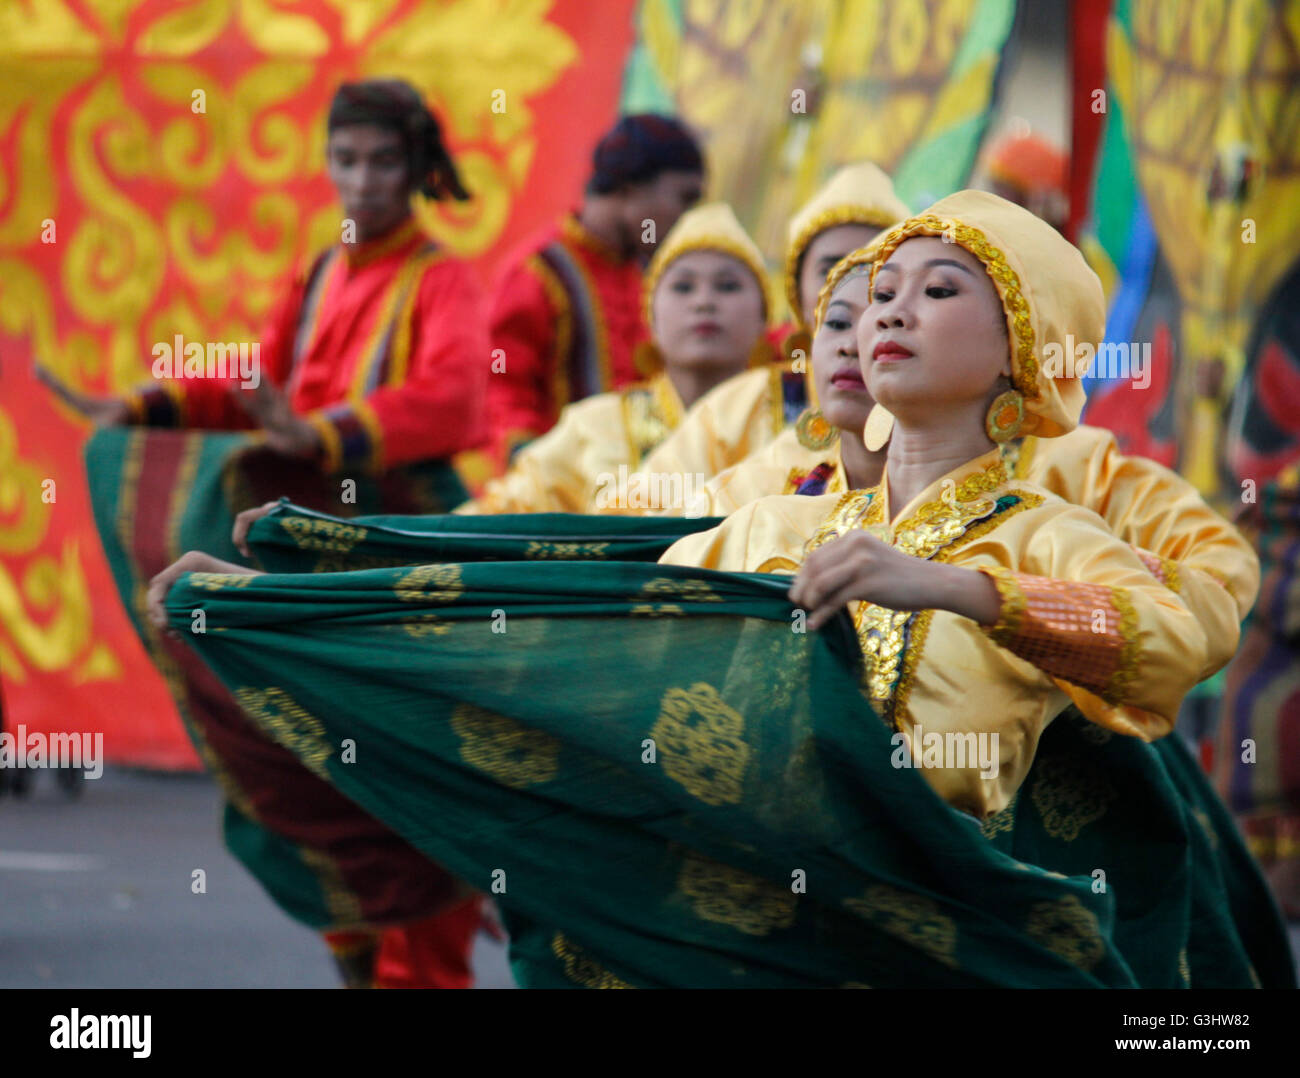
(659, 610)
(342, 902)
(1067, 928)
(1003, 822)
(1069, 794)
(882, 637)
(701, 743)
(510, 752)
(425, 625)
(538, 551)
(581, 968)
(289, 724)
(857, 508)
(329, 536)
(688, 591)
(1184, 968)
(220, 581)
(726, 895)
(912, 918)
(1024, 368)
(430, 583)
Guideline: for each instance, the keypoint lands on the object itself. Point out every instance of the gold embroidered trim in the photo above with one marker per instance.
(1117, 688)
(331, 444)
(1012, 613)
(1173, 575)
(1024, 363)
(853, 507)
(831, 217)
(921, 627)
(558, 298)
(911, 658)
(778, 564)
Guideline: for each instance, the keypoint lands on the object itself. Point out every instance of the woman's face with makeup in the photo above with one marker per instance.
(708, 311)
(935, 333)
(824, 250)
(837, 374)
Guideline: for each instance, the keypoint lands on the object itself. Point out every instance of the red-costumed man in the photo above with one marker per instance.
(378, 357)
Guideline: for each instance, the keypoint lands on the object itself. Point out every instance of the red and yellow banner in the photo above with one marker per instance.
(161, 172)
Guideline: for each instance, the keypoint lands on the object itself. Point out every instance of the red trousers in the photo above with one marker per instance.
(433, 953)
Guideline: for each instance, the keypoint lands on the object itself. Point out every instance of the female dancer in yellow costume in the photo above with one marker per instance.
(707, 307)
(1184, 542)
(747, 412)
(983, 603)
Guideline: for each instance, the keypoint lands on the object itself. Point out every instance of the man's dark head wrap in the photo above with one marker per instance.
(396, 106)
(640, 147)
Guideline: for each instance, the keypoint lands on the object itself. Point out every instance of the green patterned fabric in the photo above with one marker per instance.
(292, 539)
(665, 783)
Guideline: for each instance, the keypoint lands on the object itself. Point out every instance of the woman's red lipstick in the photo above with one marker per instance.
(888, 351)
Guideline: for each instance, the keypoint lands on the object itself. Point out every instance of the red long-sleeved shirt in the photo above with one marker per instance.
(384, 349)
(566, 316)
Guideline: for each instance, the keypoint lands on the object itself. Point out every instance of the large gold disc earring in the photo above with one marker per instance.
(646, 359)
(814, 430)
(880, 425)
(1006, 415)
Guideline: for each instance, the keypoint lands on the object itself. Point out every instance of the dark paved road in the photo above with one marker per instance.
(95, 893)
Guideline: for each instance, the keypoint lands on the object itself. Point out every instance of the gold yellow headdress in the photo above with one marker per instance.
(711, 227)
(857, 194)
(1055, 309)
(860, 261)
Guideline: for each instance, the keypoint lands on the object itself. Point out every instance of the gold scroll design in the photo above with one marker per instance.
(1067, 928)
(1069, 794)
(915, 919)
(539, 550)
(581, 968)
(429, 584)
(289, 724)
(729, 896)
(700, 740)
(125, 250)
(510, 752)
(46, 620)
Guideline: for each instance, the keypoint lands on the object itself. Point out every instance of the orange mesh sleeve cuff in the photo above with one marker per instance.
(1085, 634)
